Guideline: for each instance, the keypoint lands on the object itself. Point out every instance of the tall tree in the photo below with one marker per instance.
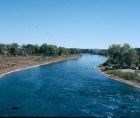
(63, 51)
(2, 49)
(114, 53)
(43, 49)
(13, 49)
(30, 49)
(52, 50)
(124, 56)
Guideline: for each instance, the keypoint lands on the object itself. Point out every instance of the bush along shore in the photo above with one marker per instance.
(123, 64)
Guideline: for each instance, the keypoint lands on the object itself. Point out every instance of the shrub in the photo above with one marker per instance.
(124, 75)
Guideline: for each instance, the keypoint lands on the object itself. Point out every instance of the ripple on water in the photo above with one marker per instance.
(68, 89)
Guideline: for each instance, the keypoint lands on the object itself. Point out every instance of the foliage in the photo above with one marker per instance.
(124, 75)
(122, 56)
(95, 51)
(52, 50)
(74, 51)
(13, 49)
(2, 49)
(138, 56)
(63, 51)
(44, 50)
(30, 49)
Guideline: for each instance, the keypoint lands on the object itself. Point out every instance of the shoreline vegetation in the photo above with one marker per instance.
(14, 57)
(117, 78)
(21, 63)
(123, 64)
(120, 59)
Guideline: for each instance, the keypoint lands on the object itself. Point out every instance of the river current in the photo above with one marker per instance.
(69, 88)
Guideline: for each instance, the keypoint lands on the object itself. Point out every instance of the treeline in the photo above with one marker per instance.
(44, 50)
(123, 56)
(95, 51)
(30, 49)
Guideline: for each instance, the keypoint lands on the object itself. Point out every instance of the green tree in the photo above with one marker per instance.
(36, 50)
(138, 56)
(74, 51)
(30, 49)
(131, 58)
(13, 49)
(52, 50)
(124, 56)
(43, 49)
(2, 49)
(114, 53)
(63, 51)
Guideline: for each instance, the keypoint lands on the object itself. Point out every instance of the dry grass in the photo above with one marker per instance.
(8, 64)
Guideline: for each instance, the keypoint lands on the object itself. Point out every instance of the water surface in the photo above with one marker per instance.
(69, 88)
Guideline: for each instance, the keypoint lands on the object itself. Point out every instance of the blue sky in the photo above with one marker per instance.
(70, 23)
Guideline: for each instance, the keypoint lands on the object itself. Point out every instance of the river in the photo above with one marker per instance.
(69, 88)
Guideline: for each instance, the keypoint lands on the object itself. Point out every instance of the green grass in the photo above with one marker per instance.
(124, 75)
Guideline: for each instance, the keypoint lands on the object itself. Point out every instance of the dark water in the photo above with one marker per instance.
(70, 88)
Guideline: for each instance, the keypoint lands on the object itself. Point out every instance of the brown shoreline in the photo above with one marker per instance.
(137, 85)
(46, 62)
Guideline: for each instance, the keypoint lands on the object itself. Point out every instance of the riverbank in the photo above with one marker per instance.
(129, 82)
(12, 64)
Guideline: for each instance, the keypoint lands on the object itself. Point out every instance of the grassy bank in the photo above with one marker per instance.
(9, 64)
(131, 78)
(125, 75)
